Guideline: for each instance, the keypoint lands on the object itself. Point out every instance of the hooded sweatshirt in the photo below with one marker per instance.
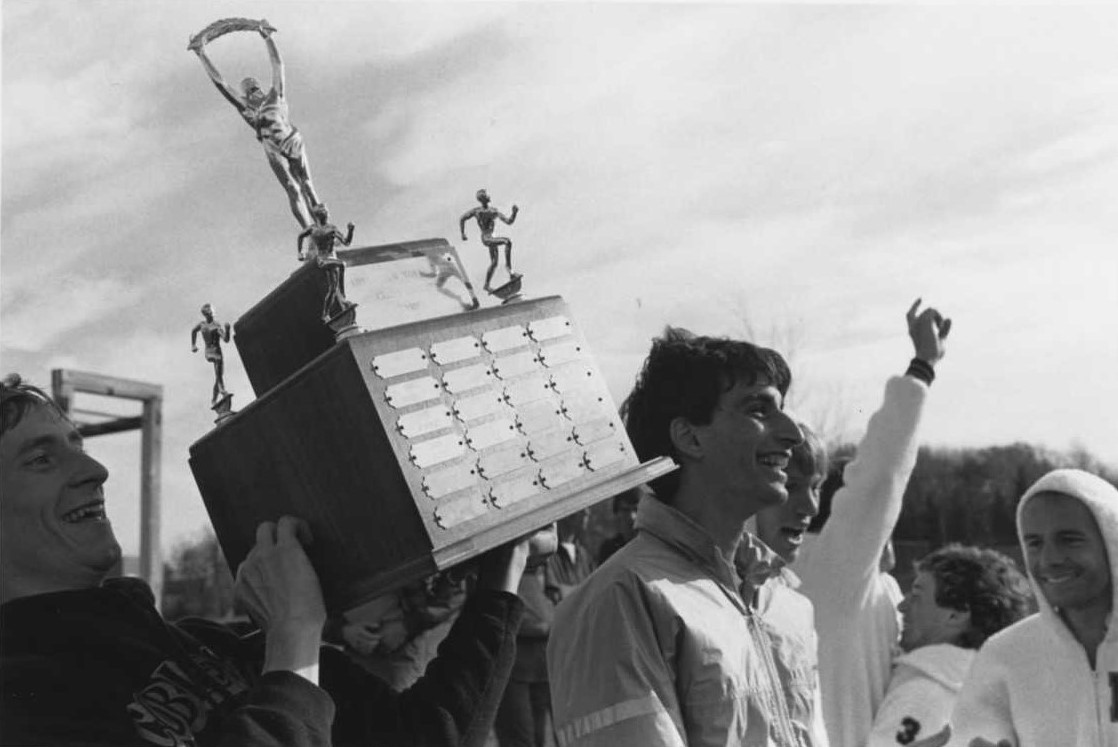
(855, 601)
(1032, 684)
(921, 694)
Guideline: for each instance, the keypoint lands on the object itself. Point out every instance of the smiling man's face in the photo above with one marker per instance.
(746, 448)
(54, 534)
(1065, 552)
(782, 527)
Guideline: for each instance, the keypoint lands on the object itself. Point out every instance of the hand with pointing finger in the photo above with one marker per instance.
(928, 330)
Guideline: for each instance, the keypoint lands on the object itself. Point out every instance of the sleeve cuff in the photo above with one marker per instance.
(922, 370)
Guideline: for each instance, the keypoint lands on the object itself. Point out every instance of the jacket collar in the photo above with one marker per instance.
(753, 565)
(688, 538)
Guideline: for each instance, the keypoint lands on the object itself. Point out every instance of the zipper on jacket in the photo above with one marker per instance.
(782, 718)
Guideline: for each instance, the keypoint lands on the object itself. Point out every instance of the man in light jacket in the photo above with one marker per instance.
(660, 645)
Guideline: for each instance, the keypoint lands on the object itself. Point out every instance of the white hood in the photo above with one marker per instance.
(944, 663)
(1100, 497)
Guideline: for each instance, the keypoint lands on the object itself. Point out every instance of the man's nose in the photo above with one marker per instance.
(788, 431)
(1050, 555)
(88, 471)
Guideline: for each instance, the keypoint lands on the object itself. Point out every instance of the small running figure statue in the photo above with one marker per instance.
(324, 236)
(266, 114)
(213, 334)
(486, 221)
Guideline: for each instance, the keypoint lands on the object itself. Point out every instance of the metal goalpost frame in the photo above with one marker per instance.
(65, 384)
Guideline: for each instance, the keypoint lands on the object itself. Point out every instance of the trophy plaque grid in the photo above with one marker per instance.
(423, 445)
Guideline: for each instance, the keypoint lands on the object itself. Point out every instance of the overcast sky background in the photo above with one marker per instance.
(796, 173)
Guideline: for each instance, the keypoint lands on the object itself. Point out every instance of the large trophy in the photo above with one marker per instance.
(437, 432)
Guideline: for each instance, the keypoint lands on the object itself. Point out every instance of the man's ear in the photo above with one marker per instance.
(959, 620)
(685, 439)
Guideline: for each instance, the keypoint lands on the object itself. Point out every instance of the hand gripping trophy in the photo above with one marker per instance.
(266, 113)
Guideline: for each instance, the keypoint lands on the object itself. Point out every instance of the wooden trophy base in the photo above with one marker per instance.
(411, 449)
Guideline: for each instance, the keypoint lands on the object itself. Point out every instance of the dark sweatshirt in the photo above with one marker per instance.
(101, 667)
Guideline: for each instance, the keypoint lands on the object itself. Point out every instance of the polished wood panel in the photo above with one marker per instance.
(397, 483)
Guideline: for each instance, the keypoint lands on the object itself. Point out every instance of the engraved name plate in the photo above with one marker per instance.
(573, 378)
(558, 353)
(506, 338)
(555, 472)
(509, 366)
(541, 415)
(401, 362)
(437, 450)
(605, 453)
(517, 487)
(490, 434)
(452, 511)
(595, 430)
(547, 329)
(452, 351)
(583, 406)
(410, 392)
(479, 405)
(502, 460)
(464, 379)
(549, 443)
(424, 421)
(445, 481)
(528, 389)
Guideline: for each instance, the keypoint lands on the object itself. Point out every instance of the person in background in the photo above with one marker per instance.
(960, 597)
(624, 520)
(844, 568)
(1052, 679)
(524, 717)
(779, 533)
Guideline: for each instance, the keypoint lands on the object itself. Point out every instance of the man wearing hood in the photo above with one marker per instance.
(1052, 679)
(959, 598)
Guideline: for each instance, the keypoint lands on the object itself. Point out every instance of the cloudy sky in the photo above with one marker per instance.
(798, 174)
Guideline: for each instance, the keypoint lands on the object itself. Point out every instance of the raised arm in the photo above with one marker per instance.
(456, 699)
(218, 81)
(346, 239)
(462, 221)
(277, 61)
(509, 220)
(865, 510)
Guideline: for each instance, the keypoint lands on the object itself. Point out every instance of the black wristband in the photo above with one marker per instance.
(921, 369)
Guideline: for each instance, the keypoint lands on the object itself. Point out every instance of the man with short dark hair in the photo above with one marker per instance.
(89, 661)
(1052, 679)
(660, 645)
(960, 597)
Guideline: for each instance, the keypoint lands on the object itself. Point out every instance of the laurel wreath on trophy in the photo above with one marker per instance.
(225, 26)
